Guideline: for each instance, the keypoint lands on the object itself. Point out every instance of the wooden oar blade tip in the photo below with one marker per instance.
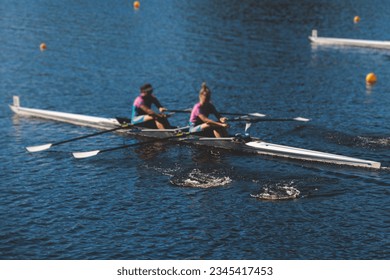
(33, 149)
(85, 154)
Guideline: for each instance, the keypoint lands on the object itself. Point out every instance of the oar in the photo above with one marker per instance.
(33, 149)
(245, 117)
(181, 111)
(223, 113)
(96, 152)
(243, 114)
(254, 120)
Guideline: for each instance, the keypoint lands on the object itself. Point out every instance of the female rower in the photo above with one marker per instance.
(199, 120)
(143, 115)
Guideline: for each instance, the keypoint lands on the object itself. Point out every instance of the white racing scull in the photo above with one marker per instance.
(348, 42)
(242, 144)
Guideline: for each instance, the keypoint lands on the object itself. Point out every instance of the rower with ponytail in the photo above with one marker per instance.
(200, 121)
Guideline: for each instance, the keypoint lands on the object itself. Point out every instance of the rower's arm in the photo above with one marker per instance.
(205, 119)
(160, 107)
(148, 111)
(219, 117)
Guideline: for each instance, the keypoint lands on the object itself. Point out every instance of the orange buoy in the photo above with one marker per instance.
(42, 47)
(356, 19)
(136, 4)
(371, 78)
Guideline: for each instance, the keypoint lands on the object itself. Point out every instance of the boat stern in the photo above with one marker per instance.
(16, 101)
(16, 104)
(314, 35)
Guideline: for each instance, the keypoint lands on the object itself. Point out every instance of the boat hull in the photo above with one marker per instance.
(240, 144)
(348, 42)
(309, 155)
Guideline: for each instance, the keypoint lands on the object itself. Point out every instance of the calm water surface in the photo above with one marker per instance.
(180, 202)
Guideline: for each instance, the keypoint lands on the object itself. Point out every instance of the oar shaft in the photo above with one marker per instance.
(87, 136)
(179, 135)
(180, 111)
(281, 120)
(94, 153)
(40, 148)
(233, 114)
(134, 144)
(254, 120)
(223, 113)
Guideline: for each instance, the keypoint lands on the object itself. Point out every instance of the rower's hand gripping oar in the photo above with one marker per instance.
(33, 149)
(96, 152)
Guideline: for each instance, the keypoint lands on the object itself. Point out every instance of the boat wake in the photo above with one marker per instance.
(374, 141)
(342, 138)
(280, 191)
(379, 142)
(198, 179)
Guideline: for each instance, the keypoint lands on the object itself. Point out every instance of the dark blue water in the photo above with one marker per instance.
(180, 202)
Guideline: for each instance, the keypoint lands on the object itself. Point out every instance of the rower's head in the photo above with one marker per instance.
(146, 89)
(204, 94)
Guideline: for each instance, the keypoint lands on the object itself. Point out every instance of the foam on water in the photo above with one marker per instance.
(280, 191)
(199, 179)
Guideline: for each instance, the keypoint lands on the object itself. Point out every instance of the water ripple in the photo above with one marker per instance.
(181, 202)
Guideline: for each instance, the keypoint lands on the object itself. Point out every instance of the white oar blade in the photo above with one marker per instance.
(247, 126)
(85, 154)
(301, 119)
(39, 148)
(256, 115)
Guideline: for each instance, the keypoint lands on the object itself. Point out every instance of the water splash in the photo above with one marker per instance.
(280, 191)
(198, 179)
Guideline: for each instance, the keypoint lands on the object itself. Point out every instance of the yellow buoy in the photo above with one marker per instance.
(42, 47)
(371, 78)
(136, 4)
(356, 19)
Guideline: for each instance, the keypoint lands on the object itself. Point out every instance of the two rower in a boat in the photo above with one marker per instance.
(200, 122)
(143, 115)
